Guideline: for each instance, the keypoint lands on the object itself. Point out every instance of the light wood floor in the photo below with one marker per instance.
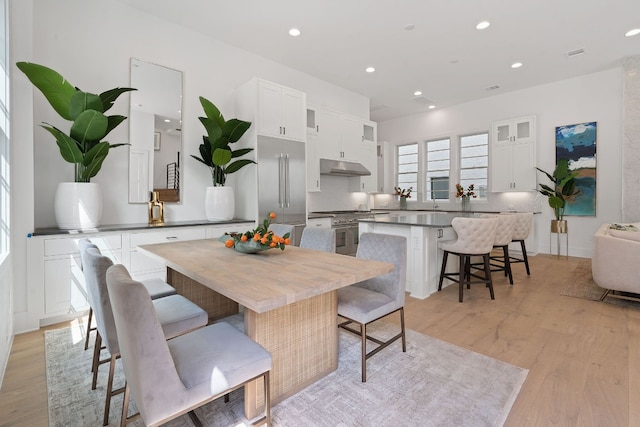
(583, 356)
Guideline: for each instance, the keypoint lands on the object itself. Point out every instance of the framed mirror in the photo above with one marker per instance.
(155, 132)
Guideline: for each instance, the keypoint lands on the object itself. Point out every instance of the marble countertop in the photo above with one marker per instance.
(422, 219)
(138, 226)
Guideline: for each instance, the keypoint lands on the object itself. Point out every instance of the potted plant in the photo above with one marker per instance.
(77, 204)
(564, 188)
(404, 194)
(216, 153)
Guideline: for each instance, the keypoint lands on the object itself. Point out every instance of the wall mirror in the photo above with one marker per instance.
(155, 132)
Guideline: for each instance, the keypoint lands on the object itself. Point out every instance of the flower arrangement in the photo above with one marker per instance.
(469, 192)
(258, 239)
(404, 193)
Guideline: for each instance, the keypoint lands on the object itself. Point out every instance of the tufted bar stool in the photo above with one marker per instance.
(475, 238)
(521, 230)
(504, 233)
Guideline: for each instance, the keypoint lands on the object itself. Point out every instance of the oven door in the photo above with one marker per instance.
(343, 237)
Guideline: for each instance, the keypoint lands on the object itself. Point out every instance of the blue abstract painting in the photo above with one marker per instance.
(577, 143)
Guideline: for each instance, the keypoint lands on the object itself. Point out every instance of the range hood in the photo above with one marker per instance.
(342, 168)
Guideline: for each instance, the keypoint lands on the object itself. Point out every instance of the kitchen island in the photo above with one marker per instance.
(424, 231)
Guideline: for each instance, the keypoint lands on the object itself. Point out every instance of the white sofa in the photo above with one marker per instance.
(616, 259)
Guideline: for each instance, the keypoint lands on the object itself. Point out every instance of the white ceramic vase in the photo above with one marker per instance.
(219, 203)
(78, 205)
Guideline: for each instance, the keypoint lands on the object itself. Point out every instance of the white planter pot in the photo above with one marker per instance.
(219, 203)
(78, 205)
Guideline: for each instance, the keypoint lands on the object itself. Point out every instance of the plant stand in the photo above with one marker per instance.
(558, 228)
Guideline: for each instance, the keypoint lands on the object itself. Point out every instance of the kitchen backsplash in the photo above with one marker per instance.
(335, 195)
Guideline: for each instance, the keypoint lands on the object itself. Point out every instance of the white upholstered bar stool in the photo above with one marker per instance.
(521, 230)
(157, 288)
(504, 231)
(475, 238)
(319, 239)
(171, 378)
(176, 314)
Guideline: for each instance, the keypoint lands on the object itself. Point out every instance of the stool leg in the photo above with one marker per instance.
(461, 276)
(86, 340)
(524, 255)
(507, 263)
(442, 270)
(487, 272)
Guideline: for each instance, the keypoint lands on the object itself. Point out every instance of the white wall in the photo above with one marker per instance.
(595, 97)
(94, 55)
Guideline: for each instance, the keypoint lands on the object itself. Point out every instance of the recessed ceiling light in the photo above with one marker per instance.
(417, 93)
(370, 69)
(294, 32)
(431, 107)
(483, 25)
(167, 121)
(633, 32)
(516, 65)
(409, 27)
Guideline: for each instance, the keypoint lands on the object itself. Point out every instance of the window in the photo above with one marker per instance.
(474, 162)
(437, 169)
(407, 157)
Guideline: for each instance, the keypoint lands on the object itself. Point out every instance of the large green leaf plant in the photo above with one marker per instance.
(564, 187)
(83, 145)
(215, 151)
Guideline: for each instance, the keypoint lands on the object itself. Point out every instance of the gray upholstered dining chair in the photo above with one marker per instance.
(475, 238)
(176, 314)
(170, 378)
(319, 239)
(365, 302)
(157, 288)
(282, 229)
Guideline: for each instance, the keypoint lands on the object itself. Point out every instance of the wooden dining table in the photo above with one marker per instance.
(289, 300)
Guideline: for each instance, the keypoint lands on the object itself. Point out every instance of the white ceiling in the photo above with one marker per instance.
(444, 56)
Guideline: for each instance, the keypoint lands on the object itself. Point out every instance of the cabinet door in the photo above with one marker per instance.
(269, 109)
(312, 120)
(313, 164)
(293, 115)
(329, 135)
(523, 166)
(351, 138)
(501, 168)
(58, 285)
(523, 130)
(369, 160)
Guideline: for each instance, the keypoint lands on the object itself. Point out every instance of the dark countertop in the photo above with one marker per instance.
(125, 227)
(421, 219)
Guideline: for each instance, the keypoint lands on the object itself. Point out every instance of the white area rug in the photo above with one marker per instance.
(433, 384)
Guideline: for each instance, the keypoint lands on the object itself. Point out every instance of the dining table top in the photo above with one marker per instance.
(266, 280)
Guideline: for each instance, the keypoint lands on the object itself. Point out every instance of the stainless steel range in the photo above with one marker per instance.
(346, 225)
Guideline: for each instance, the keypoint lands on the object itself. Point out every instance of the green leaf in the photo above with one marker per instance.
(241, 152)
(108, 98)
(53, 86)
(234, 129)
(214, 132)
(200, 160)
(69, 148)
(98, 150)
(83, 101)
(90, 125)
(93, 168)
(221, 156)
(212, 112)
(237, 165)
(114, 121)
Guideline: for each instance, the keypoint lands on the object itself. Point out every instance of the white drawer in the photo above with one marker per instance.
(319, 222)
(69, 245)
(163, 236)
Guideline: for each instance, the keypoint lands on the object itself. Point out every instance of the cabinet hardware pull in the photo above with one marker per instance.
(172, 237)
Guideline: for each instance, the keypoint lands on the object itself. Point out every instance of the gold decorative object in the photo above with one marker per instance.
(156, 210)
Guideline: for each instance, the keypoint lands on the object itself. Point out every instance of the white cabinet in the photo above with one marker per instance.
(313, 162)
(369, 157)
(281, 111)
(512, 155)
(319, 222)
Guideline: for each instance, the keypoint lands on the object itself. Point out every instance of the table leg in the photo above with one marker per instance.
(303, 341)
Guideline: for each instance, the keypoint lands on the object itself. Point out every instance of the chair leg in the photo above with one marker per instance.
(363, 332)
(404, 338)
(524, 256)
(107, 400)
(442, 270)
(267, 398)
(86, 340)
(467, 271)
(487, 272)
(461, 277)
(125, 406)
(604, 294)
(507, 263)
(96, 358)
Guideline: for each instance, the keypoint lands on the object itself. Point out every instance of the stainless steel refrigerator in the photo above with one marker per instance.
(282, 182)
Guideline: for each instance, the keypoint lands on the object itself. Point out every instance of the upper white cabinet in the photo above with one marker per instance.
(512, 155)
(313, 163)
(281, 111)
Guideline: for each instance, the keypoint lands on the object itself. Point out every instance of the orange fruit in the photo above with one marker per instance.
(256, 237)
(272, 215)
(287, 241)
(263, 240)
(244, 238)
(272, 244)
(229, 243)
